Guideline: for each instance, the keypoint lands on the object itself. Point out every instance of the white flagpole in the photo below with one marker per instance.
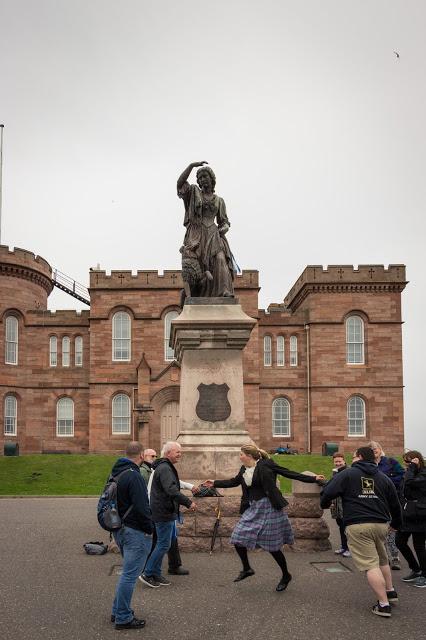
(1, 171)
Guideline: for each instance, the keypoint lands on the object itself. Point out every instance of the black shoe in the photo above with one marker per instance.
(150, 581)
(392, 596)
(178, 572)
(244, 574)
(136, 623)
(412, 576)
(385, 611)
(283, 583)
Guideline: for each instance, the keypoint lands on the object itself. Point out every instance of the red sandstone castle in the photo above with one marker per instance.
(325, 365)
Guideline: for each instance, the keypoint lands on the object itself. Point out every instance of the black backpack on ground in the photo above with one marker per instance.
(108, 516)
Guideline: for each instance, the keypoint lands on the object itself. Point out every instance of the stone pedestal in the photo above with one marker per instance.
(208, 338)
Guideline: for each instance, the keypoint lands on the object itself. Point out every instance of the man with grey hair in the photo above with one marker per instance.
(173, 554)
(165, 501)
(134, 537)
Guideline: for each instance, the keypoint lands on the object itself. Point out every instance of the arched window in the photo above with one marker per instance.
(53, 351)
(293, 351)
(121, 336)
(10, 414)
(66, 346)
(280, 417)
(11, 339)
(65, 417)
(267, 351)
(78, 351)
(354, 340)
(169, 353)
(280, 351)
(121, 414)
(356, 416)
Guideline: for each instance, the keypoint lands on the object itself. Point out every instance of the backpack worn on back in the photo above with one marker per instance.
(108, 516)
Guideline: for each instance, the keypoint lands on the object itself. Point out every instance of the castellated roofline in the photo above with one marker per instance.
(20, 263)
(249, 279)
(24, 258)
(62, 317)
(339, 278)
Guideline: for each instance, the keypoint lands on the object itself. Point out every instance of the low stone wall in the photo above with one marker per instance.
(310, 530)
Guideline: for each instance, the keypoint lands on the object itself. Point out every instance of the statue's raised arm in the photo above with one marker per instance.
(207, 263)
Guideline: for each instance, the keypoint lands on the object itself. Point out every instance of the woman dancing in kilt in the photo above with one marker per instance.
(263, 522)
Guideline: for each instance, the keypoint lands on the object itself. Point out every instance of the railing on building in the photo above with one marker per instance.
(71, 286)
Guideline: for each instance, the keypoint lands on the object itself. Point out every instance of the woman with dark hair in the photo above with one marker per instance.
(207, 262)
(263, 522)
(413, 498)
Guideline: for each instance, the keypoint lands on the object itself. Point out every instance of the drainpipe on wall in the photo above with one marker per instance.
(308, 389)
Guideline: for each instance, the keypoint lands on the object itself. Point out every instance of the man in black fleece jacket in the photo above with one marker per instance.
(134, 539)
(370, 503)
(165, 500)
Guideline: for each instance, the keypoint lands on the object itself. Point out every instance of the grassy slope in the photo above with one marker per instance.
(86, 474)
(54, 474)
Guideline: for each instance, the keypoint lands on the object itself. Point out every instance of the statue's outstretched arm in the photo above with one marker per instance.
(185, 175)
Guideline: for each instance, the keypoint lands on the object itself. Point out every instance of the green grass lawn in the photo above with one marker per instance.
(54, 474)
(86, 474)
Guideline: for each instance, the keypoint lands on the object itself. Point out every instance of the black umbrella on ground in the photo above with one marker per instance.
(215, 527)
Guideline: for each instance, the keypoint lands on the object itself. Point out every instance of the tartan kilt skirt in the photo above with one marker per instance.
(263, 526)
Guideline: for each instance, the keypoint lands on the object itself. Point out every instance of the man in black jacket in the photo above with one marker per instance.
(165, 500)
(369, 502)
(175, 561)
(134, 539)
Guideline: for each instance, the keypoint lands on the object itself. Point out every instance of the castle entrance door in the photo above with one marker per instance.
(169, 422)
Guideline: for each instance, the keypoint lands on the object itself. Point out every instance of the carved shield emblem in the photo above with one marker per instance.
(213, 404)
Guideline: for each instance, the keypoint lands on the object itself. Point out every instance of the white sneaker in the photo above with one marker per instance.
(347, 554)
(339, 552)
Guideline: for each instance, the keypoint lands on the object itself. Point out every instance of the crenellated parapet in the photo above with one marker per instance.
(344, 278)
(19, 263)
(61, 318)
(249, 279)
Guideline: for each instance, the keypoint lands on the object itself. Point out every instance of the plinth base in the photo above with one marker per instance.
(211, 455)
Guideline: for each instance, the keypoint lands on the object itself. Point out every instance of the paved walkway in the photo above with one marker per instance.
(50, 589)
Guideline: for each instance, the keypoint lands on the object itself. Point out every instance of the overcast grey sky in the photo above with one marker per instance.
(314, 127)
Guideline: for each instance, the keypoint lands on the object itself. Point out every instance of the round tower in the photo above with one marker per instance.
(25, 280)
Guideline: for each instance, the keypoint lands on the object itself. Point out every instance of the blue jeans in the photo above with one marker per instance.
(134, 546)
(166, 531)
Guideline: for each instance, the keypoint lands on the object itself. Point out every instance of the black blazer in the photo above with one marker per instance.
(264, 483)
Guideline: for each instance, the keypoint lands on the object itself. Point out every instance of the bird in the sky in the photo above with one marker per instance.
(396, 53)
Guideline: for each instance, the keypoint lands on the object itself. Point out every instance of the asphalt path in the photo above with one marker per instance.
(50, 589)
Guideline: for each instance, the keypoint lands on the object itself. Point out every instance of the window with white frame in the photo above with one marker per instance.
(66, 347)
(121, 336)
(53, 351)
(169, 353)
(10, 415)
(11, 350)
(354, 340)
(280, 351)
(121, 414)
(356, 416)
(65, 417)
(293, 351)
(281, 417)
(78, 351)
(267, 351)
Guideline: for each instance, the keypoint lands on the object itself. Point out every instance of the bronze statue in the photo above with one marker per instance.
(207, 261)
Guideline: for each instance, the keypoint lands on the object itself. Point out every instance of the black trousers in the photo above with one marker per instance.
(173, 553)
(343, 538)
(419, 544)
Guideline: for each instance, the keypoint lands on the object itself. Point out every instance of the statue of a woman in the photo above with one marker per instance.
(207, 262)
